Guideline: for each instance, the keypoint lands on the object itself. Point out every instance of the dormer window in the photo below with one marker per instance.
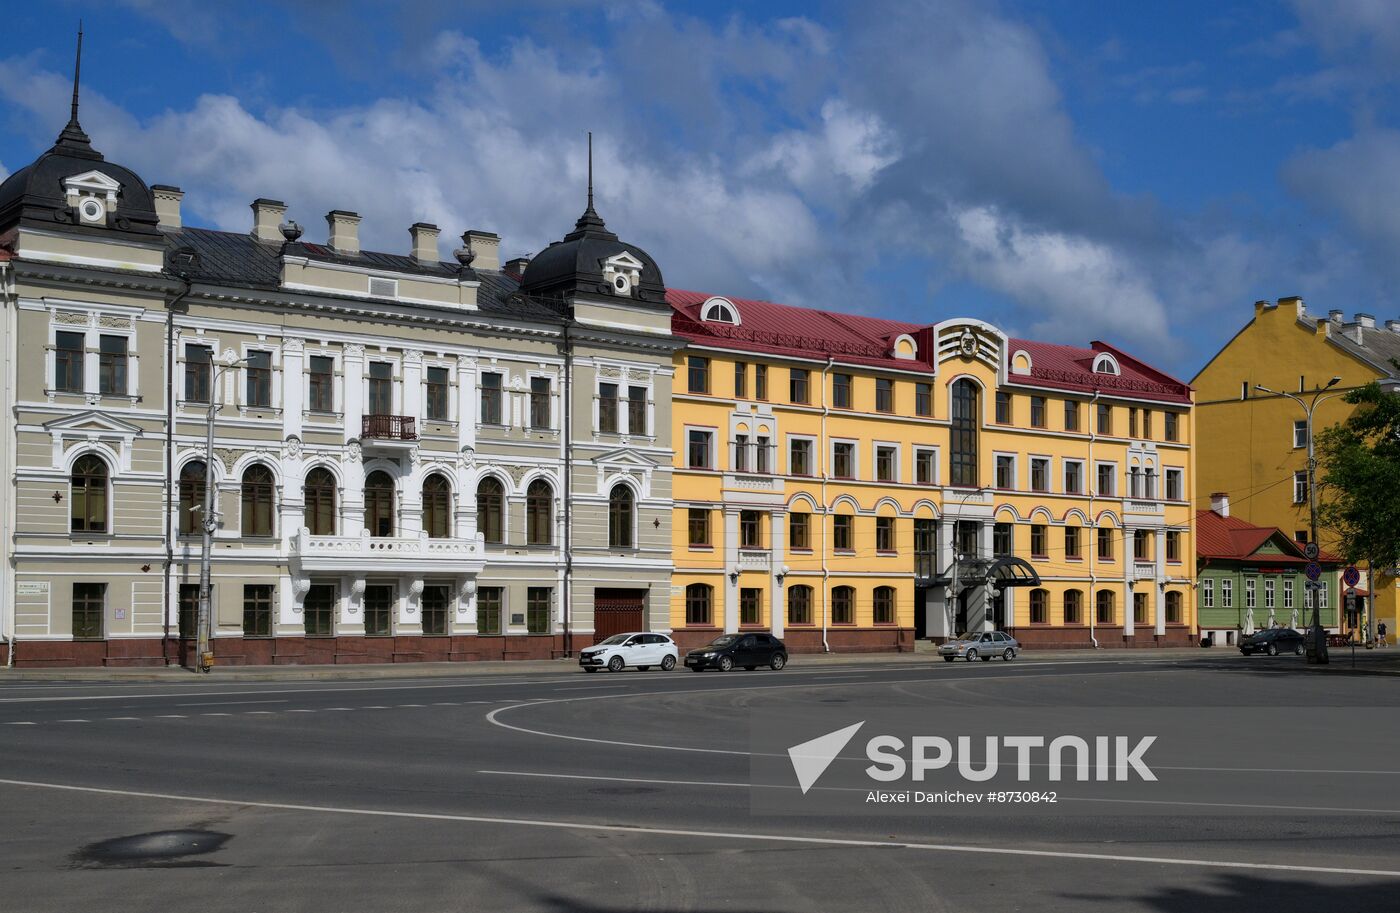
(621, 274)
(92, 196)
(1106, 364)
(720, 310)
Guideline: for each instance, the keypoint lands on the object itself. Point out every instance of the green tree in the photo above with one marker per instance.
(1360, 461)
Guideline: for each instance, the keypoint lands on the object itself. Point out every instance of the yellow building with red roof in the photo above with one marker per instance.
(854, 483)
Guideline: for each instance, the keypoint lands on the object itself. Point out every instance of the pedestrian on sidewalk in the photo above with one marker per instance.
(1380, 634)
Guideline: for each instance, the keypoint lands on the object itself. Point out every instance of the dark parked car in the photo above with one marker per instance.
(1273, 641)
(730, 650)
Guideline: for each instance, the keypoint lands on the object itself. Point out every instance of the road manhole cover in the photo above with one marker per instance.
(158, 849)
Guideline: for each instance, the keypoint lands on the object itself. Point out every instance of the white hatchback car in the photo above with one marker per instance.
(640, 649)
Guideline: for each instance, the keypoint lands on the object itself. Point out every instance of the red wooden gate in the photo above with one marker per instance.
(616, 612)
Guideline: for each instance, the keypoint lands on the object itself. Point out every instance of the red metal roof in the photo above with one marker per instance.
(798, 332)
(1233, 539)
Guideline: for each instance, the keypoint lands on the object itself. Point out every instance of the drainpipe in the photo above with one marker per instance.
(1092, 608)
(170, 309)
(568, 594)
(9, 633)
(825, 456)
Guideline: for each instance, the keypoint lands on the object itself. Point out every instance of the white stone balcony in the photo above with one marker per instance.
(1142, 506)
(1144, 570)
(755, 559)
(415, 554)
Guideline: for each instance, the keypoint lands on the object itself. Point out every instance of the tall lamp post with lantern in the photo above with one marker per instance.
(1317, 637)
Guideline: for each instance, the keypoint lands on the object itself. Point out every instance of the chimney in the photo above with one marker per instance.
(167, 206)
(487, 246)
(1366, 320)
(517, 266)
(1297, 302)
(1393, 326)
(344, 231)
(1220, 503)
(1335, 316)
(425, 242)
(267, 215)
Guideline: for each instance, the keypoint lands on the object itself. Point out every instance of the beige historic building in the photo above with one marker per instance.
(409, 462)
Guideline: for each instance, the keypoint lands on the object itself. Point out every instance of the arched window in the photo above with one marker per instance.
(191, 497)
(884, 605)
(1040, 607)
(843, 605)
(539, 499)
(699, 604)
(88, 496)
(620, 517)
(1103, 607)
(318, 492)
(963, 463)
(799, 605)
(490, 510)
(1074, 607)
(437, 507)
(719, 311)
(379, 504)
(1173, 607)
(257, 498)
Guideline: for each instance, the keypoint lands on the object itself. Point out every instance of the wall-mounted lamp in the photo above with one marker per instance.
(733, 576)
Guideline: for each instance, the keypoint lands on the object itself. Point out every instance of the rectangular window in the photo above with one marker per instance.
(1037, 412)
(1140, 608)
(1300, 433)
(741, 380)
(763, 461)
(841, 391)
(698, 373)
(925, 466)
(1132, 422)
(1103, 607)
(1140, 543)
(1207, 590)
(1073, 608)
(1227, 593)
(750, 529)
(1071, 415)
(607, 408)
(1147, 424)
(637, 411)
(1105, 418)
(492, 412)
(1003, 539)
(1072, 542)
(925, 547)
(698, 449)
(320, 377)
(843, 460)
(1174, 487)
(537, 603)
(541, 391)
(1105, 544)
(1074, 478)
(1250, 585)
(1106, 486)
(1006, 471)
(1174, 545)
(436, 600)
(923, 400)
(800, 457)
(884, 395)
(843, 532)
(886, 464)
(436, 396)
(1040, 474)
(1270, 595)
(750, 606)
(799, 380)
(198, 368)
(698, 523)
(257, 609)
(967, 532)
(1040, 611)
(760, 381)
(1288, 593)
(1169, 426)
(800, 531)
(318, 610)
(1300, 487)
(112, 357)
(258, 374)
(89, 607)
(1003, 408)
(379, 602)
(381, 388)
(68, 362)
(1039, 535)
(489, 604)
(741, 453)
(884, 534)
(188, 609)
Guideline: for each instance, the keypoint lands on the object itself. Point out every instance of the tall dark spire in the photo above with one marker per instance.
(590, 220)
(73, 136)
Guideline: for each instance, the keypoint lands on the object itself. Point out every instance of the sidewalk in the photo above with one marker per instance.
(921, 657)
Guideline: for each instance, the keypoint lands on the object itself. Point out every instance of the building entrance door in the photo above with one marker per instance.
(617, 611)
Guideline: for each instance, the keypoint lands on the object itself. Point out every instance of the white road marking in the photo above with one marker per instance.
(412, 705)
(301, 711)
(722, 835)
(226, 703)
(125, 718)
(258, 712)
(456, 703)
(22, 723)
(74, 721)
(375, 707)
(181, 716)
(216, 714)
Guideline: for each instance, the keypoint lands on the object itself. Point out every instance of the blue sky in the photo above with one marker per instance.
(1138, 173)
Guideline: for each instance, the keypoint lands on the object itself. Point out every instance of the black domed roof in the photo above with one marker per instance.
(35, 195)
(575, 265)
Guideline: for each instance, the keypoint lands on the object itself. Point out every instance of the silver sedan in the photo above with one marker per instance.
(981, 645)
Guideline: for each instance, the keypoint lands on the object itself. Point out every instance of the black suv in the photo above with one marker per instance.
(745, 649)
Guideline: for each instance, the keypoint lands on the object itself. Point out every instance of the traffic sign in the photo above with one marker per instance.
(1351, 576)
(1313, 571)
(1315, 585)
(1311, 550)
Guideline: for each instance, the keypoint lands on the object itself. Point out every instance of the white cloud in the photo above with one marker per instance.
(1357, 181)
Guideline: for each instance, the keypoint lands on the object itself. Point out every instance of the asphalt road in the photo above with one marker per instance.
(516, 792)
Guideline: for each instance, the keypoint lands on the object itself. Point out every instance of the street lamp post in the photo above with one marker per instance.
(1317, 637)
(950, 615)
(204, 660)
